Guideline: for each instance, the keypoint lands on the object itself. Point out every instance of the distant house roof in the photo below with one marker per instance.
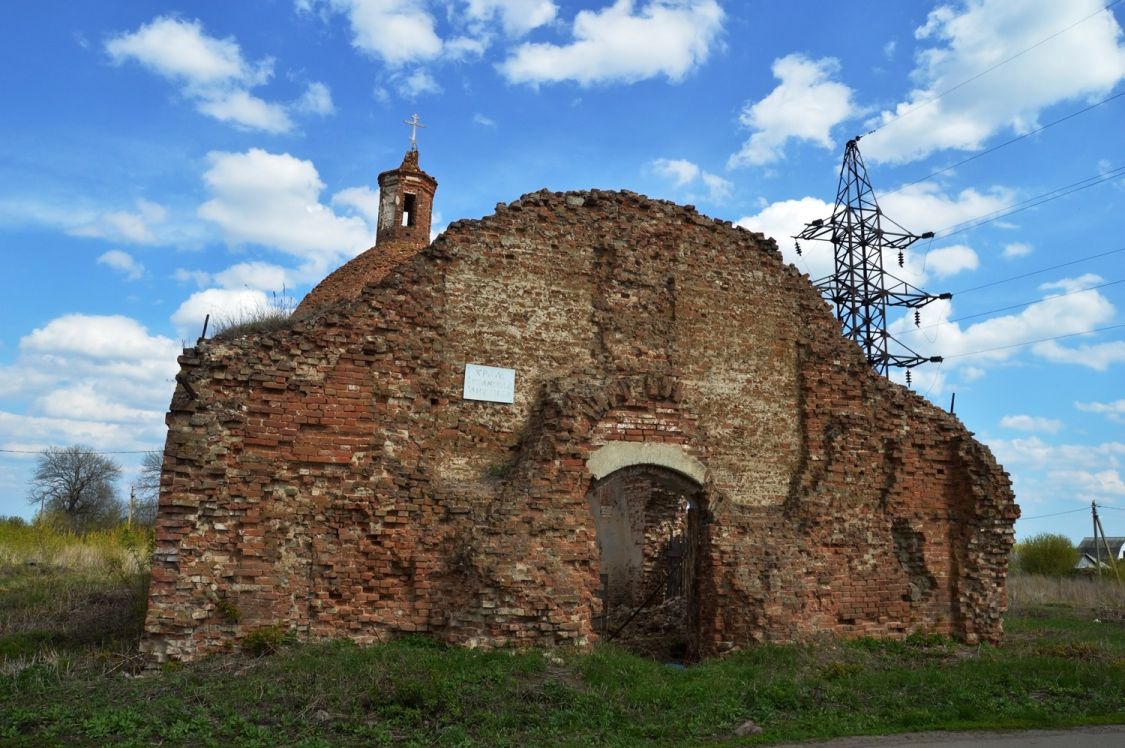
(1091, 550)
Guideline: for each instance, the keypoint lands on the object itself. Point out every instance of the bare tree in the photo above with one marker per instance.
(146, 490)
(76, 484)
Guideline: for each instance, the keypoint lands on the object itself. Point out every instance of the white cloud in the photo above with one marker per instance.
(805, 105)
(363, 200)
(100, 380)
(969, 39)
(622, 43)
(418, 83)
(48, 212)
(247, 111)
(1071, 285)
(925, 207)
(1031, 423)
(82, 402)
(260, 276)
(146, 223)
(785, 219)
(317, 99)
(1017, 249)
(516, 16)
(684, 173)
(1034, 451)
(119, 225)
(972, 373)
(396, 31)
(180, 50)
(718, 189)
(483, 121)
(25, 432)
(997, 340)
(465, 47)
(273, 200)
(123, 262)
(1078, 473)
(95, 338)
(680, 171)
(1088, 483)
(437, 225)
(1099, 356)
(213, 73)
(200, 278)
(930, 380)
(922, 204)
(949, 261)
(1114, 411)
(224, 305)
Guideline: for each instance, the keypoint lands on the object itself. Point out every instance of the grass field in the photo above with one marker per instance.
(69, 676)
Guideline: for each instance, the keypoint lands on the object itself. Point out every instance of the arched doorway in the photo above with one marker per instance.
(650, 524)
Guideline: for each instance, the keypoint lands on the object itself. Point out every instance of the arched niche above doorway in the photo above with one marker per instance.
(616, 455)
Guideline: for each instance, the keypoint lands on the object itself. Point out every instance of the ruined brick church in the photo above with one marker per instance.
(588, 416)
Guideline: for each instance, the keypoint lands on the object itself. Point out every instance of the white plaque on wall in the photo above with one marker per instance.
(490, 383)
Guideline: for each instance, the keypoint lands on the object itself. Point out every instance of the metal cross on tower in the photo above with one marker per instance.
(860, 288)
(414, 123)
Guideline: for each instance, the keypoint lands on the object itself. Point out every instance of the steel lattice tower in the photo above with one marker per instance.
(860, 289)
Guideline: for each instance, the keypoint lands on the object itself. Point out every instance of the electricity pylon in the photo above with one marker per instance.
(859, 288)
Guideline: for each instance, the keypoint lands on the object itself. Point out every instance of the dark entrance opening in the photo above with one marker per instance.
(408, 202)
(649, 522)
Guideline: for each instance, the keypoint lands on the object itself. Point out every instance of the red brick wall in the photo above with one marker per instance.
(331, 479)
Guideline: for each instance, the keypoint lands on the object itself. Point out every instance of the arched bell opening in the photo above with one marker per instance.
(649, 522)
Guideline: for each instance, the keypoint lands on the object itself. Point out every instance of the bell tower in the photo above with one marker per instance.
(406, 199)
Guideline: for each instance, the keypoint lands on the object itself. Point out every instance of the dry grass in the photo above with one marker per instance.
(276, 314)
(1103, 598)
(120, 551)
(63, 595)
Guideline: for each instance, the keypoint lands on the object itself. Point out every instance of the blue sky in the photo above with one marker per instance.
(161, 161)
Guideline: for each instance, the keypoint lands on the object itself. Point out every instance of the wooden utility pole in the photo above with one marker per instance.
(1098, 529)
(1097, 549)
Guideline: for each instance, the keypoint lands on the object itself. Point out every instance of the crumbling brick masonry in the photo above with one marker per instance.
(331, 478)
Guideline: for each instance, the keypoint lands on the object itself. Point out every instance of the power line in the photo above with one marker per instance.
(1039, 340)
(1056, 514)
(1036, 301)
(1007, 143)
(1037, 272)
(1031, 202)
(1015, 306)
(84, 453)
(989, 69)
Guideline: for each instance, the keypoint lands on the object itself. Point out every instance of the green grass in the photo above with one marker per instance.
(414, 692)
(65, 684)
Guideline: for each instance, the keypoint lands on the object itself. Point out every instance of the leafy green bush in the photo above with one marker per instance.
(1048, 554)
(266, 640)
